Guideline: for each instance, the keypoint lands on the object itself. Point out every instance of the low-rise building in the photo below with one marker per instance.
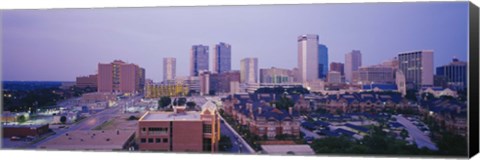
(97, 140)
(180, 130)
(157, 91)
(24, 130)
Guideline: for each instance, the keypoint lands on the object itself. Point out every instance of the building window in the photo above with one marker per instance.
(207, 144)
(207, 128)
(154, 131)
(150, 140)
(158, 140)
(143, 140)
(165, 140)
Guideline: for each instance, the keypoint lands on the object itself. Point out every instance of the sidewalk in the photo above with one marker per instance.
(244, 143)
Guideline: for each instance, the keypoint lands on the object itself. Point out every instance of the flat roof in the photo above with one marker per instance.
(284, 149)
(90, 140)
(170, 116)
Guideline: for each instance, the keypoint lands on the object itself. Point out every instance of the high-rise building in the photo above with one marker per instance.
(222, 58)
(224, 81)
(322, 61)
(353, 60)
(119, 76)
(338, 67)
(142, 80)
(205, 78)
(198, 59)
(180, 130)
(308, 57)
(334, 77)
(417, 66)
(169, 68)
(276, 75)
(249, 70)
(454, 73)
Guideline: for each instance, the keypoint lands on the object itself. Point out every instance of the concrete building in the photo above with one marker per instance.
(222, 58)
(157, 91)
(334, 77)
(353, 60)
(249, 70)
(322, 61)
(97, 140)
(205, 81)
(119, 76)
(193, 83)
(224, 81)
(374, 74)
(276, 75)
(417, 66)
(86, 81)
(308, 57)
(338, 67)
(24, 130)
(198, 59)
(454, 73)
(169, 68)
(180, 130)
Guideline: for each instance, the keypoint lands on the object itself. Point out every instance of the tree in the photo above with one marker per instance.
(164, 101)
(191, 105)
(21, 119)
(225, 143)
(404, 133)
(131, 118)
(63, 119)
(284, 103)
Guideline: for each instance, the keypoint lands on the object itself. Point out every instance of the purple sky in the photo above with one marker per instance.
(61, 44)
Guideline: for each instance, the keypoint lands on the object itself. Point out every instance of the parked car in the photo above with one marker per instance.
(15, 138)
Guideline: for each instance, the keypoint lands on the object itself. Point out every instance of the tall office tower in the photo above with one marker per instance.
(308, 57)
(119, 76)
(374, 74)
(249, 70)
(338, 67)
(322, 61)
(276, 75)
(169, 69)
(353, 60)
(142, 80)
(198, 59)
(417, 66)
(454, 73)
(222, 58)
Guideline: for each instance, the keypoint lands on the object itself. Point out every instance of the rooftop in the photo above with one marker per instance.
(285, 149)
(90, 140)
(170, 116)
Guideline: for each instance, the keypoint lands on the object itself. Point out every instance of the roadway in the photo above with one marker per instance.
(420, 138)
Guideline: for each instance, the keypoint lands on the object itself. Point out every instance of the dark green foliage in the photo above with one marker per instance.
(164, 101)
(63, 119)
(191, 105)
(131, 118)
(21, 119)
(225, 144)
(284, 103)
(451, 144)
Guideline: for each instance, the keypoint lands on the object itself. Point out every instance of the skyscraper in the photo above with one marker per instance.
(222, 58)
(353, 60)
(454, 73)
(119, 76)
(169, 68)
(322, 61)
(276, 75)
(417, 66)
(249, 70)
(198, 59)
(338, 67)
(308, 57)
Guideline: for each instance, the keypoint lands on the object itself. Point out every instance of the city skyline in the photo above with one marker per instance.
(67, 35)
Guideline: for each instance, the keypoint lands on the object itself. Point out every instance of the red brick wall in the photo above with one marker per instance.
(187, 136)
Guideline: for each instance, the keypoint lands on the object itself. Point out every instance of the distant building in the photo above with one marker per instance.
(417, 66)
(401, 82)
(222, 58)
(276, 75)
(249, 70)
(205, 78)
(322, 61)
(87, 81)
(180, 130)
(334, 77)
(455, 74)
(198, 59)
(224, 81)
(193, 83)
(353, 60)
(119, 76)
(169, 68)
(439, 91)
(338, 67)
(308, 57)
(98, 97)
(169, 90)
(374, 74)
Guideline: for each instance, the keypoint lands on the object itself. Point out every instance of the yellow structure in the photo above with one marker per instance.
(157, 91)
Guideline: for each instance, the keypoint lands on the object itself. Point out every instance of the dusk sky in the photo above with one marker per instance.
(61, 44)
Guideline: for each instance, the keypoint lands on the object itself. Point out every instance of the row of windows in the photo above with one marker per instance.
(157, 140)
(155, 130)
